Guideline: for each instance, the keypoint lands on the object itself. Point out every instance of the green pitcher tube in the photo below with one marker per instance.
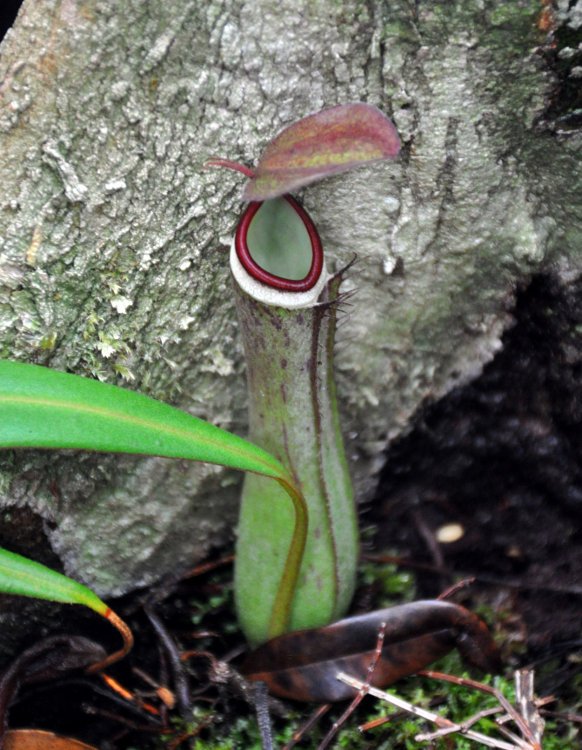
(287, 309)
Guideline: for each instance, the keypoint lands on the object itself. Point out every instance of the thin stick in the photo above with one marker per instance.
(206, 567)
(524, 695)
(261, 692)
(313, 719)
(518, 742)
(564, 715)
(182, 690)
(438, 720)
(361, 692)
(447, 593)
(429, 736)
(519, 720)
(128, 695)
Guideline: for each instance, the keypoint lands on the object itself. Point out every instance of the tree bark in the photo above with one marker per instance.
(114, 239)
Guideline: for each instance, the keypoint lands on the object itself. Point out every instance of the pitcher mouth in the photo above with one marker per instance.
(261, 274)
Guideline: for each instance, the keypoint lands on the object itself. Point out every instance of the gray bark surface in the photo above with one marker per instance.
(113, 262)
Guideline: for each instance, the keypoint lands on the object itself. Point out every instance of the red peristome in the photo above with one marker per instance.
(258, 273)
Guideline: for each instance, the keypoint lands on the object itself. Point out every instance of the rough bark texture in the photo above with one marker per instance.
(113, 258)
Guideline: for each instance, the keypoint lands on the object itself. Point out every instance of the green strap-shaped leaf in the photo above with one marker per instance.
(44, 408)
(19, 575)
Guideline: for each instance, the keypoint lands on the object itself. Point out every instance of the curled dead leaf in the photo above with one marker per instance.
(303, 665)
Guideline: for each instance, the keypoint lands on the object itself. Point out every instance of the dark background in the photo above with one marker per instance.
(8, 11)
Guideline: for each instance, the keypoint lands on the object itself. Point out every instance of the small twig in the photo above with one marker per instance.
(207, 567)
(524, 695)
(393, 700)
(127, 695)
(182, 689)
(94, 711)
(404, 562)
(261, 693)
(447, 593)
(164, 693)
(564, 715)
(429, 736)
(417, 711)
(501, 699)
(362, 691)
(309, 724)
(518, 742)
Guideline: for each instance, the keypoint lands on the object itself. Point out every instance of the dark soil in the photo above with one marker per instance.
(502, 457)
(562, 55)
